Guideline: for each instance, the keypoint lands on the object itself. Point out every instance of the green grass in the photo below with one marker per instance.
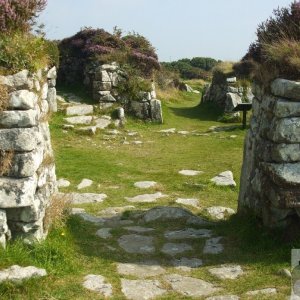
(73, 251)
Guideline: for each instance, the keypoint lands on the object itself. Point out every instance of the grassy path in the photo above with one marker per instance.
(73, 251)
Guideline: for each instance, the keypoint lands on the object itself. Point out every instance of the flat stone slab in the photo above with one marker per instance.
(189, 233)
(175, 248)
(213, 246)
(191, 202)
(77, 198)
(224, 179)
(102, 123)
(183, 132)
(195, 220)
(220, 212)
(187, 264)
(80, 120)
(134, 243)
(267, 291)
(139, 229)
(162, 213)
(145, 184)
(145, 198)
(63, 183)
(84, 184)
(189, 286)
(76, 211)
(141, 289)
(227, 272)
(104, 233)
(115, 211)
(92, 219)
(79, 110)
(97, 283)
(141, 270)
(224, 297)
(17, 274)
(190, 172)
(170, 130)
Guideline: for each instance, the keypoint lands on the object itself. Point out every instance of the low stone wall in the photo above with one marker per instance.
(270, 179)
(28, 182)
(104, 82)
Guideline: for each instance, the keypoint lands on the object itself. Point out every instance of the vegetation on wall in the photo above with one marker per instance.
(91, 47)
(276, 52)
(19, 47)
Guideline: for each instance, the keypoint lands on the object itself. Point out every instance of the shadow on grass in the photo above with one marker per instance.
(203, 112)
(245, 242)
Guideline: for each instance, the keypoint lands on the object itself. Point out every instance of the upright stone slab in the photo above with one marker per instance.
(29, 181)
(270, 185)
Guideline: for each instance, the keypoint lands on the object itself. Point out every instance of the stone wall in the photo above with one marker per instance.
(270, 179)
(104, 82)
(28, 183)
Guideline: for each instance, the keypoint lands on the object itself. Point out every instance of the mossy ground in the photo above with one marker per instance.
(73, 251)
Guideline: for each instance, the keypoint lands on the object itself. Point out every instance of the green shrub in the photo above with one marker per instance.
(23, 51)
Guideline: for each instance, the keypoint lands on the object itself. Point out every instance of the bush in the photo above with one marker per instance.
(222, 71)
(23, 51)
(19, 15)
(276, 50)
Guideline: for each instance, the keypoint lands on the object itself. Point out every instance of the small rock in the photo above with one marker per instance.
(190, 172)
(102, 122)
(190, 287)
(113, 132)
(67, 127)
(266, 291)
(225, 297)
(76, 211)
(233, 136)
(137, 142)
(63, 183)
(143, 269)
(17, 274)
(227, 272)
(138, 244)
(170, 130)
(174, 249)
(92, 219)
(224, 179)
(186, 264)
(182, 132)
(84, 184)
(219, 212)
(191, 202)
(146, 198)
(189, 233)
(132, 133)
(144, 184)
(213, 246)
(285, 272)
(139, 229)
(96, 283)
(141, 289)
(104, 233)
(87, 130)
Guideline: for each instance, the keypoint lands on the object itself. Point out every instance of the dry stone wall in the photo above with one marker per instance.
(28, 183)
(104, 81)
(270, 180)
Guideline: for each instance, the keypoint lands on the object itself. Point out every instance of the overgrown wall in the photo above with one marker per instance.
(270, 179)
(28, 182)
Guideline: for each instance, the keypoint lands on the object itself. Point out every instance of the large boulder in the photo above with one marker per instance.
(232, 101)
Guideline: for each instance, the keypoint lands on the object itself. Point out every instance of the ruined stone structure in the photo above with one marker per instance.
(104, 81)
(28, 182)
(226, 95)
(270, 179)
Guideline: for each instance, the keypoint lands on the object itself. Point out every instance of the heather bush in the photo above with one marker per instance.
(222, 71)
(91, 47)
(19, 15)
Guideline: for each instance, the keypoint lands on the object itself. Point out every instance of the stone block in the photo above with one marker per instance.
(286, 89)
(18, 118)
(22, 100)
